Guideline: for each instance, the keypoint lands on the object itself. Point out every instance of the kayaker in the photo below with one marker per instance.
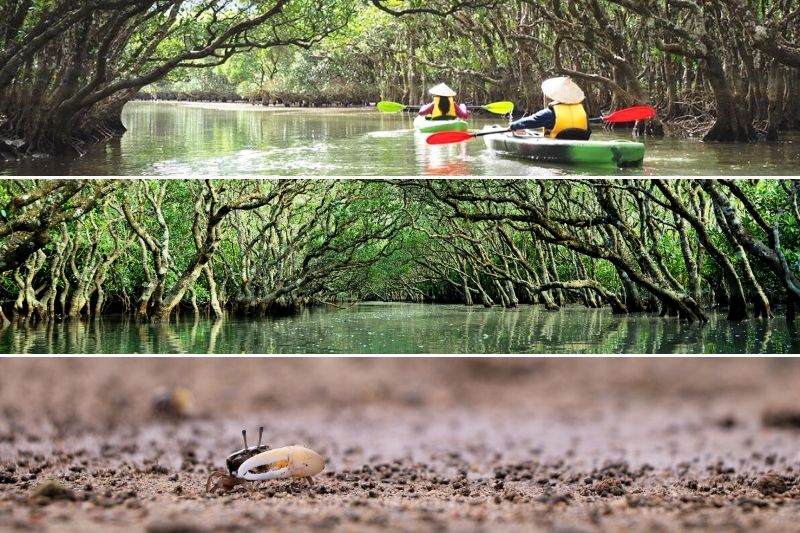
(564, 117)
(444, 106)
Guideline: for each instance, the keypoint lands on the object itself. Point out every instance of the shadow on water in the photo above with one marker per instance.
(238, 139)
(409, 328)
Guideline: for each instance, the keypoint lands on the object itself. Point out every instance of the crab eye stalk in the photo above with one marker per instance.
(235, 459)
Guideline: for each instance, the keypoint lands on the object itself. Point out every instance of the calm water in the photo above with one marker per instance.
(411, 328)
(168, 138)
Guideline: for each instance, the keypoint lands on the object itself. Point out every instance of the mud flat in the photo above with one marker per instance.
(411, 444)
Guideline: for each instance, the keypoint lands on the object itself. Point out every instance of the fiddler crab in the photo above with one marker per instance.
(260, 462)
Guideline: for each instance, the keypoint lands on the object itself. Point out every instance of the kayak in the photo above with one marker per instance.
(432, 126)
(538, 148)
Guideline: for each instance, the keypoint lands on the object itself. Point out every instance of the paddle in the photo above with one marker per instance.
(629, 114)
(390, 107)
(499, 108)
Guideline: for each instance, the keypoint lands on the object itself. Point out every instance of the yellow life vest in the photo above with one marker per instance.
(445, 102)
(569, 116)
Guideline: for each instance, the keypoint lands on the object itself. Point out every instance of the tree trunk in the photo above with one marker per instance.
(212, 290)
(504, 301)
(513, 301)
(486, 300)
(549, 302)
(733, 122)
(465, 282)
(633, 301)
(688, 259)
(775, 97)
(163, 308)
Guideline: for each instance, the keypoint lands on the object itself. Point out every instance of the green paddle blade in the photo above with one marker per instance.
(500, 108)
(389, 107)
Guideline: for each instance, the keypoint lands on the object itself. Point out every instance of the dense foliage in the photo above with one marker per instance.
(80, 248)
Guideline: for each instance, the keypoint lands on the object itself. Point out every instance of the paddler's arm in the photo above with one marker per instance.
(546, 118)
(462, 111)
(425, 110)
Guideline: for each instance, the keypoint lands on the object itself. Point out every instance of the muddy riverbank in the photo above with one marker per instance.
(411, 444)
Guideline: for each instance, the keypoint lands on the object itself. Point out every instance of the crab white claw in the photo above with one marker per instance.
(289, 461)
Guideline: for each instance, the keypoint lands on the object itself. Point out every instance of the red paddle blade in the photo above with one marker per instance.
(447, 137)
(631, 114)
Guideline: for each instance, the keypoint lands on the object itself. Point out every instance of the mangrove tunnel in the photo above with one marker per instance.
(84, 248)
(724, 70)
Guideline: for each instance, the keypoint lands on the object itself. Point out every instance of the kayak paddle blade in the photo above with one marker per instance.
(448, 137)
(389, 107)
(500, 108)
(631, 114)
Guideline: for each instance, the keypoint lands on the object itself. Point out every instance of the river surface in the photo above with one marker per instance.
(239, 139)
(410, 328)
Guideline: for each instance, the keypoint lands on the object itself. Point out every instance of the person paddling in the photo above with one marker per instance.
(565, 117)
(444, 106)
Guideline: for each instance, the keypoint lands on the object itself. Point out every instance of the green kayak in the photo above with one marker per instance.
(432, 126)
(537, 148)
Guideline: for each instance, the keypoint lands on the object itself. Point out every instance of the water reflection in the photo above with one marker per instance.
(409, 328)
(168, 138)
(442, 159)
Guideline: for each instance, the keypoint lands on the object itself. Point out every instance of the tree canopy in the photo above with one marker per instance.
(81, 248)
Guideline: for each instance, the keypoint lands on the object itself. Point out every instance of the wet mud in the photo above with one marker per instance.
(410, 444)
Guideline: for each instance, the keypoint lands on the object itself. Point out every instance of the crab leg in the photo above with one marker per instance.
(290, 461)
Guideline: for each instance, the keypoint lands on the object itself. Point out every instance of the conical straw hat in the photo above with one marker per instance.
(563, 90)
(442, 90)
